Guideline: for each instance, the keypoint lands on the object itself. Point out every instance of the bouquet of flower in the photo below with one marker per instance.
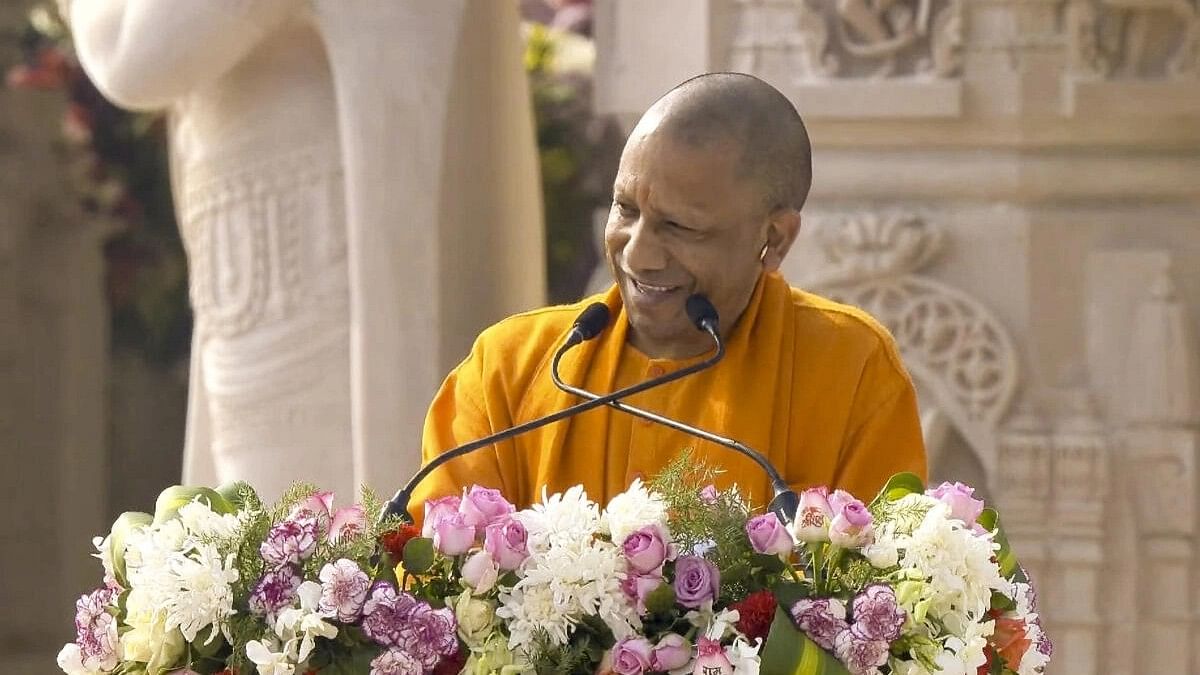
(671, 577)
(918, 582)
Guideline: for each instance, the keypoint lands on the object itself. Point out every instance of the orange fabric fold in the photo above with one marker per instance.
(816, 386)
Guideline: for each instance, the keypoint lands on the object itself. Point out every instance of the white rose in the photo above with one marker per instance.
(475, 618)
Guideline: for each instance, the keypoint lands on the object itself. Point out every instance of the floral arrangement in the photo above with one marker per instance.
(671, 577)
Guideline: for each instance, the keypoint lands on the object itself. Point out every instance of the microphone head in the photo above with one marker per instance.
(592, 321)
(701, 312)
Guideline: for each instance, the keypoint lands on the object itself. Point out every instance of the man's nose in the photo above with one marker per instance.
(644, 252)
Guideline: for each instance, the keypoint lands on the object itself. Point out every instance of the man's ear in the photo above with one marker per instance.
(782, 230)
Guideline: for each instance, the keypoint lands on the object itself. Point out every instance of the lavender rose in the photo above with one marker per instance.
(645, 549)
(484, 506)
(876, 614)
(435, 510)
(631, 656)
(768, 535)
(696, 580)
(851, 526)
(508, 542)
(961, 500)
(813, 516)
(453, 535)
(860, 656)
(672, 651)
(822, 619)
(709, 494)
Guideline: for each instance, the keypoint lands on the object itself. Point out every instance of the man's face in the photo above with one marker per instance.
(682, 222)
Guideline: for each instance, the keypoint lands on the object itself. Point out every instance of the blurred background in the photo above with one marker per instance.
(1012, 186)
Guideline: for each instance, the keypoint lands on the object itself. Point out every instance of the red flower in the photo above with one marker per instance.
(755, 614)
(394, 541)
(1010, 642)
(452, 665)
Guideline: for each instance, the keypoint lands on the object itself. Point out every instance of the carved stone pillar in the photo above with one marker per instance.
(1023, 487)
(1075, 585)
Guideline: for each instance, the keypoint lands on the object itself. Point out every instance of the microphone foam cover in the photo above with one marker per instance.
(592, 320)
(700, 311)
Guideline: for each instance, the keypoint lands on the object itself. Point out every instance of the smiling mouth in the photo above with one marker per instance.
(651, 289)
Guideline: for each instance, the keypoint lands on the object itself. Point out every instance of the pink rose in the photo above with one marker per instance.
(435, 510)
(851, 526)
(507, 542)
(768, 535)
(452, 535)
(813, 516)
(645, 549)
(484, 506)
(480, 572)
(347, 522)
(638, 587)
(318, 506)
(961, 500)
(672, 651)
(631, 656)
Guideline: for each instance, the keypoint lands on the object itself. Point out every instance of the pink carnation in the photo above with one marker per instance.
(876, 614)
(344, 589)
(861, 657)
(822, 619)
(290, 542)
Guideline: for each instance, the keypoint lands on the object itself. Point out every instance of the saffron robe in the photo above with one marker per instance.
(815, 385)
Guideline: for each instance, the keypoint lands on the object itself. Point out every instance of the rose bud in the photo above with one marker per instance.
(507, 542)
(961, 500)
(672, 651)
(452, 535)
(645, 549)
(484, 506)
(768, 535)
(480, 572)
(851, 525)
(813, 516)
(435, 510)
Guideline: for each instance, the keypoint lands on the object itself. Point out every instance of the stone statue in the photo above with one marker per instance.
(356, 186)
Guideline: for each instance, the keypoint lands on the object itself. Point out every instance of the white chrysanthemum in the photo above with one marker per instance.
(561, 585)
(632, 510)
(566, 520)
(202, 595)
(202, 522)
(958, 566)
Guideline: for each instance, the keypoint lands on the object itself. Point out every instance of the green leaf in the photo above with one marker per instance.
(418, 555)
(1009, 567)
(121, 529)
(175, 497)
(767, 562)
(661, 600)
(898, 486)
(790, 652)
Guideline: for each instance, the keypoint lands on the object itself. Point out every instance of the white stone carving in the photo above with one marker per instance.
(320, 206)
(953, 344)
(1133, 38)
(815, 40)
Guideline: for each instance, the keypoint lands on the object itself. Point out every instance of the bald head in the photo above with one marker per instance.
(742, 109)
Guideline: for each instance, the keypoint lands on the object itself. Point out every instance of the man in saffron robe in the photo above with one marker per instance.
(707, 200)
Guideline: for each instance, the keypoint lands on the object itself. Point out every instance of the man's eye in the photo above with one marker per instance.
(625, 209)
(680, 228)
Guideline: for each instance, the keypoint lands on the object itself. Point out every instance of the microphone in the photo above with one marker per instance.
(591, 322)
(703, 315)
